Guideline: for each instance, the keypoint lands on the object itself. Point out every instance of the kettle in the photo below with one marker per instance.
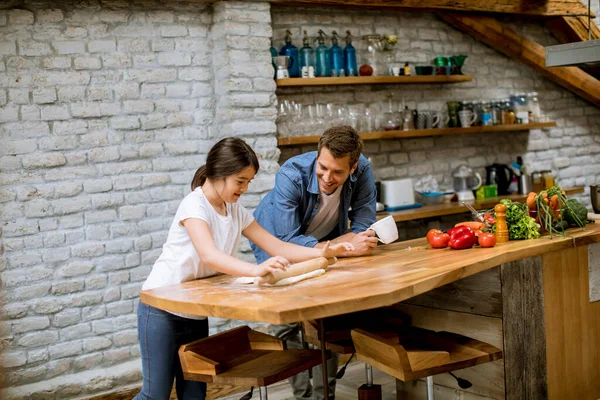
(465, 181)
(501, 175)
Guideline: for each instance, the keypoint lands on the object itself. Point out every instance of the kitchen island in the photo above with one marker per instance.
(544, 299)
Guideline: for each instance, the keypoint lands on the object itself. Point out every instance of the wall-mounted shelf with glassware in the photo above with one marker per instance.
(299, 140)
(369, 80)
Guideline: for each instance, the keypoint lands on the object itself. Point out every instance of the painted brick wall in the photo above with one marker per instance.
(106, 111)
(571, 150)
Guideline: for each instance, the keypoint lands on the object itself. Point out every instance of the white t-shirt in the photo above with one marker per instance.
(327, 216)
(179, 262)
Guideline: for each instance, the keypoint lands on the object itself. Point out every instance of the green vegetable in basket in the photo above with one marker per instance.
(575, 213)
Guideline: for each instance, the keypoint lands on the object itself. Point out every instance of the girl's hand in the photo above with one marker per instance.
(270, 265)
(335, 250)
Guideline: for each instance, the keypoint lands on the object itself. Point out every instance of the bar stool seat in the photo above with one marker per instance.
(411, 353)
(242, 356)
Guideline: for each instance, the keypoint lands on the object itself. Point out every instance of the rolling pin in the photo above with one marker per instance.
(300, 268)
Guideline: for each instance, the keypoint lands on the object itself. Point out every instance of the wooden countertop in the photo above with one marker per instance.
(438, 210)
(392, 274)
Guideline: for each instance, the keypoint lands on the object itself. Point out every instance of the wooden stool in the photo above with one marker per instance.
(242, 356)
(338, 337)
(411, 353)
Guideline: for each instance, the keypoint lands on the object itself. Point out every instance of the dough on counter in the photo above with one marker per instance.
(284, 282)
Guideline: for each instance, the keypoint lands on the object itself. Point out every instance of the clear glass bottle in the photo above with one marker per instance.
(534, 107)
(478, 110)
(336, 55)
(307, 59)
(323, 61)
(291, 51)
(374, 47)
(496, 109)
(520, 108)
(350, 57)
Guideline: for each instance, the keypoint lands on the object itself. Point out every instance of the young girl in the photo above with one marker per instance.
(202, 241)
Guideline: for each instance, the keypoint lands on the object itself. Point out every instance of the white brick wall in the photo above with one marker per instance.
(105, 114)
(571, 150)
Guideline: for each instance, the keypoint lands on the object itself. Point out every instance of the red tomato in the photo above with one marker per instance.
(487, 240)
(438, 239)
(433, 232)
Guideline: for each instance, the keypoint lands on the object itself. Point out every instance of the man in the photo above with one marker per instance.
(315, 195)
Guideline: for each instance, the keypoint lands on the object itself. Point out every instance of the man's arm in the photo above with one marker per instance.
(364, 203)
(287, 214)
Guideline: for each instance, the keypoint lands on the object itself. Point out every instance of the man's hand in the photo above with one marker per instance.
(363, 243)
(271, 265)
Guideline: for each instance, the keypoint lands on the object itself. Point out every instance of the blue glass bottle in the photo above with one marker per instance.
(307, 59)
(350, 57)
(292, 51)
(273, 54)
(336, 55)
(323, 61)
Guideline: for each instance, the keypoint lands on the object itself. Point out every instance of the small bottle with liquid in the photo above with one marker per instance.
(406, 69)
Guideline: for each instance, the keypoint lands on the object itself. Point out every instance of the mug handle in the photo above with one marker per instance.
(474, 118)
(436, 121)
(479, 181)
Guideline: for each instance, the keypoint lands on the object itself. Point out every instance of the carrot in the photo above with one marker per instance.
(472, 224)
(554, 202)
(531, 200)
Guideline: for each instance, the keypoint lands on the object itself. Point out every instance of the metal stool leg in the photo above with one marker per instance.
(369, 373)
(263, 392)
(430, 395)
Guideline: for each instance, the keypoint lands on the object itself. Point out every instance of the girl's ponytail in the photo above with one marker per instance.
(199, 177)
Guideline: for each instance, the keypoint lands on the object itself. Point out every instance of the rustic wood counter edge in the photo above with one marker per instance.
(392, 274)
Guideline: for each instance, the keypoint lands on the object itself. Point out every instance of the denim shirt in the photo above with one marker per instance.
(289, 208)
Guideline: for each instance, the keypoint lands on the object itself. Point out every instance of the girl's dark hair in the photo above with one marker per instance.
(227, 157)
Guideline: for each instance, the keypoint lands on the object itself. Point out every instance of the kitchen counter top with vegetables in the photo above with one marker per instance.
(439, 210)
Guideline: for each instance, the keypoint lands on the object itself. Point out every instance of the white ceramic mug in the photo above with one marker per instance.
(467, 118)
(386, 229)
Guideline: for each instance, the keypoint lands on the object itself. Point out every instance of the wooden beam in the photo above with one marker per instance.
(505, 40)
(543, 8)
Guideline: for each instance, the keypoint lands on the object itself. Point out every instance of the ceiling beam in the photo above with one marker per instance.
(542, 8)
(505, 40)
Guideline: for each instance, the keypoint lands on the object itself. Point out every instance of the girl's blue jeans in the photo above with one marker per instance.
(161, 334)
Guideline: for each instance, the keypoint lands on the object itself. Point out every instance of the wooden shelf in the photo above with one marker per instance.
(298, 140)
(439, 210)
(370, 80)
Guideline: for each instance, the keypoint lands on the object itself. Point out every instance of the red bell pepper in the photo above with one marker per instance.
(462, 237)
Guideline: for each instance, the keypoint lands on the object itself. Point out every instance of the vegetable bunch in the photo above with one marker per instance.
(554, 212)
(520, 225)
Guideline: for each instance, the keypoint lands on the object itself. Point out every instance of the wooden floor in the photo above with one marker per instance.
(345, 389)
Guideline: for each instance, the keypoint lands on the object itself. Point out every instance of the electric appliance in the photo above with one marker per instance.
(465, 181)
(501, 175)
(398, 194)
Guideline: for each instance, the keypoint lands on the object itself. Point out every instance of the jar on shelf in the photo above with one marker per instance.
(508, 114)
(496, 109)
(374, 48)
(486, 115)
(534, 107)
(538, 182)
(548, 179)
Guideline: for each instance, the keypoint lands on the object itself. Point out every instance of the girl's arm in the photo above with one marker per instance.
(215, 259)
(293, 252)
